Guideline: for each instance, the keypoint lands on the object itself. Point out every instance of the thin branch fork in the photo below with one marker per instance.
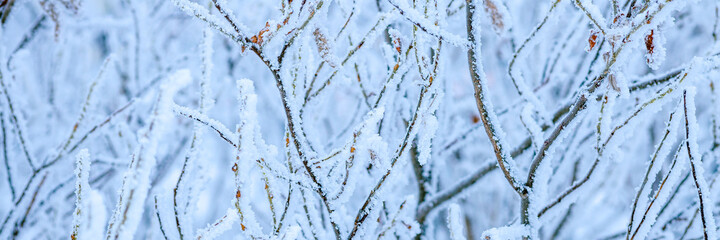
(443, 196)
(591, 88)
(693, 170)
(589, 15)
(482, 102)
(57, 158)
(363, 213)
(308, 95)
(16, 231)
(437, 33)
(276, 74)
(655, 197)
(577, 185)
(525, 201)
(524, 44)
(647, 172)
(224, 133)
(430, 204)
(221, 130)
(560, 113)
(291, 125)
(14, 121)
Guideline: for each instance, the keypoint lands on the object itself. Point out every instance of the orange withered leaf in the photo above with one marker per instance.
(398, 45)
(649, 45)
(592, 40)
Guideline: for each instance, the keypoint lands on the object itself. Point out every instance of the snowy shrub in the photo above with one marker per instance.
(359, 119)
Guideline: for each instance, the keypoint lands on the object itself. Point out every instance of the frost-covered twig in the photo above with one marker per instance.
(5, 157)
(36, 172)
(19, 225)
(85, 105)
(675, 175)
(82, 187)
(203, 14)
(560, 112)
(487, 114)
(447, 194)
(593, 13)
(363, 213)
(525, 91)
(135, 187)
(381, 22)
(454, 222)
(652, 168)
(15, 122)
(205, 102)
(432, 29)
(525, 204)
(705, 203)
(27, 37)
(221, 130)
(296, 32)
(219, 226)
(660, 95)
(160, 223)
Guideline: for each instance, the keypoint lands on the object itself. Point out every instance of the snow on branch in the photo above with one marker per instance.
(133, 193)
(388, 119)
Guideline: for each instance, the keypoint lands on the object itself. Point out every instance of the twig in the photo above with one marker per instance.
(431, 29)
(285, 211)
(589, 15)
(647, 173)
(694, 172)
(525, 201)
(307, 214)
(418, 170)
(486, 114)
(363, 213)
(520, 86)
(657, 193)
(157, 214)
(575, 186)
(428, 205)
(5, 158)
(27, 212)
(85, 105)
(57, 158)
(366, 38)
(565, 218)
(8, 7)
(222, 131)
(15, 122)
(204, 103)
(27, 37)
